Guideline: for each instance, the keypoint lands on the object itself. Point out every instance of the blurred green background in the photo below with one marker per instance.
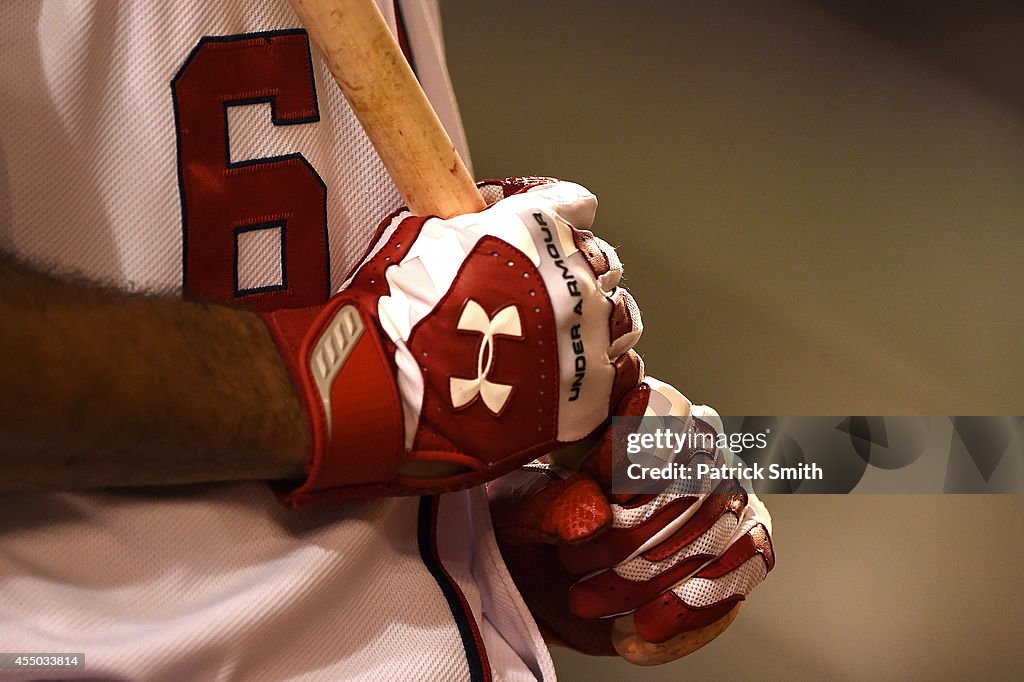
(820, 209)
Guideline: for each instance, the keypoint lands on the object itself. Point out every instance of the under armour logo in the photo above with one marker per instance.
(506, 322)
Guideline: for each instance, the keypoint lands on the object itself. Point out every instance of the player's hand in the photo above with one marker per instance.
(463, 348)
(655, 576)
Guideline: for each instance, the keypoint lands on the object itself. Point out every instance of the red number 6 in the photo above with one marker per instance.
(222, 201)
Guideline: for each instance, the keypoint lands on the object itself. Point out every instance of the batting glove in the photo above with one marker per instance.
(463, 348)
(663, 572)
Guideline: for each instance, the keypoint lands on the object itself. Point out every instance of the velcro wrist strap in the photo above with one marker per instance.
(345, 377)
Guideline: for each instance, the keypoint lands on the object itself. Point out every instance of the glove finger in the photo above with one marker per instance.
(659, 526)
(619, 543)
(629, 370)
(536, 505)
(639, 651)
(575, 205)
(601, 257)
(642, 578)
(712, 592)
(624, 325)
(495, 189)
(666, 400)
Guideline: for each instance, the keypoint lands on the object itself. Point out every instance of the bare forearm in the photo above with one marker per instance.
(98, 388)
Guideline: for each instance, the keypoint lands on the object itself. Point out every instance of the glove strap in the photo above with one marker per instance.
(343, 373)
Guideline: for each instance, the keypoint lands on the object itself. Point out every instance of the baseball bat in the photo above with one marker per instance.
(369, 67)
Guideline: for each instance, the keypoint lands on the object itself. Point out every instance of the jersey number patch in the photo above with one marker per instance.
(239, 218)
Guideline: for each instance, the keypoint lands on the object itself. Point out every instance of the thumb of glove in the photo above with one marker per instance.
(536, 504)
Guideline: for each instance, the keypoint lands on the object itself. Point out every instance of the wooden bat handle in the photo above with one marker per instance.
(379, 84)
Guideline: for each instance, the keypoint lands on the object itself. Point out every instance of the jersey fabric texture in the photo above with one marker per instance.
(97, 180)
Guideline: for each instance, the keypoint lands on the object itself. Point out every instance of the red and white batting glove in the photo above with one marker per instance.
(658, 567)
(461, 349)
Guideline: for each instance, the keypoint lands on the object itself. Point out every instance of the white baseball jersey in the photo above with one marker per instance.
(283, 190)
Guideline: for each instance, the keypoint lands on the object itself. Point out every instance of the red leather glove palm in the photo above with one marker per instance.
(651, 577)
